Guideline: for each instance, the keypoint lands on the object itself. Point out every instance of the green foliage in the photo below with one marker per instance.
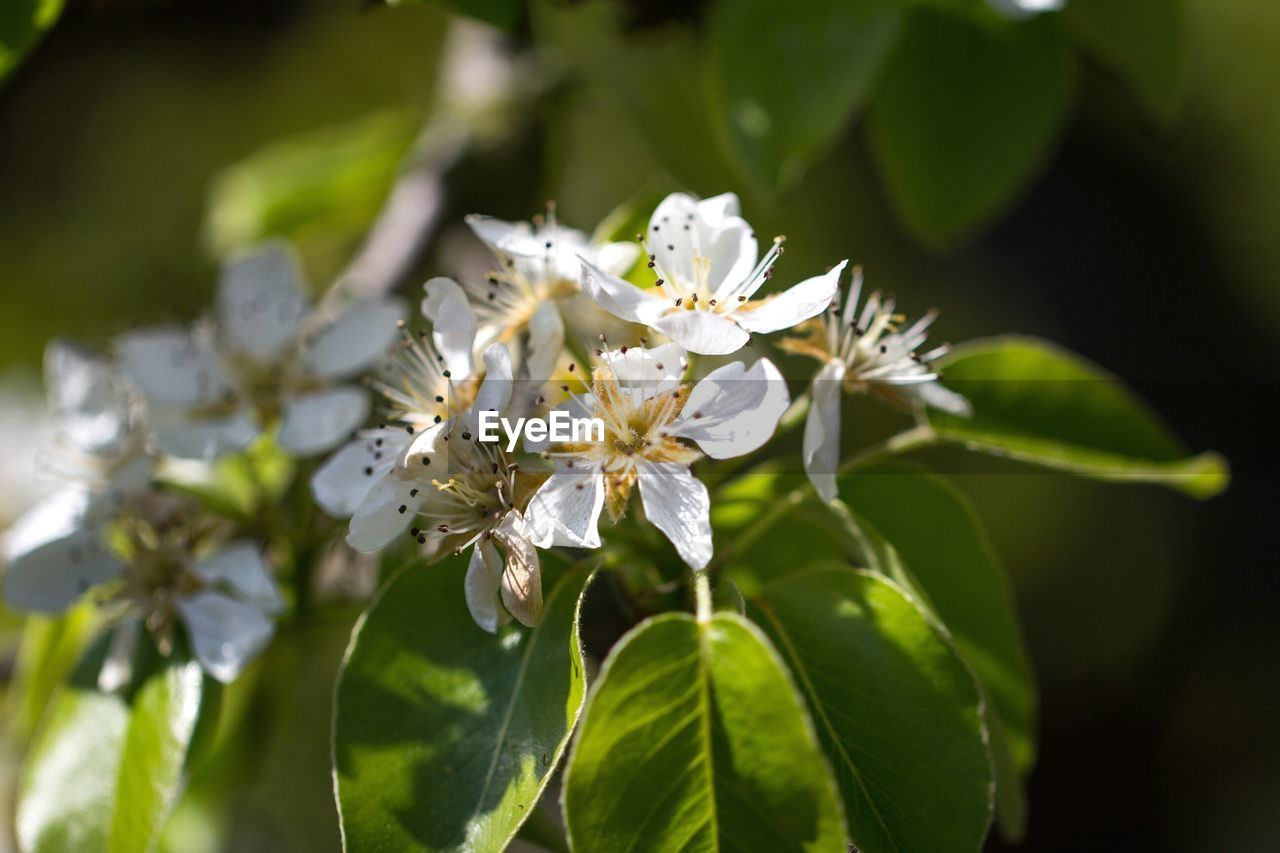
(445, 735)
(1141, 42)
(949, 567)
(1037, 403)
(104, 768)
(786, 79)
(896, 709)
(695, 739)
(22, 24)
(963, 117)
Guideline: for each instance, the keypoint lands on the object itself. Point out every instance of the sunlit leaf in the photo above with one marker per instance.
(22, 24)
(1141, 41)
(950, 567)
(896, 710)
(104, 768)
(787, 78)
(1037, 403)
(445, 735)
(695, 739)
(963, 117)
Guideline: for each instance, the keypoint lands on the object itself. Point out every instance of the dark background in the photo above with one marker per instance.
(1150, 618)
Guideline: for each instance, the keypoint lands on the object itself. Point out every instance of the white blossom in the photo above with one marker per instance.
(704, 255)
(873, 350)
(269, 360)
(1018, 9)
(647, 412)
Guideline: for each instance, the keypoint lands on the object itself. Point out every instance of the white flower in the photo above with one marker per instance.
(426, 381)
(1018, 9)
(268, 360)
(55, 551)
(537, 273)
(872, 351)
(463, 492)
(704, 255)
(646, 412)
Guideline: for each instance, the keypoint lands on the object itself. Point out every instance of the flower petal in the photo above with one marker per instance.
(356, 339)
(794, 305)
(659, 366)
(225, 634)
(677, 503)
(937, 396)
(453, 325)
(734, 410)
(341, 484)
(616, 258)
(682, 230)
(314, 423)
(495, 390)
(117, 667)
(380, 518)
(703, 332)
(483, 582)
(822, 429)
(172, 368)
(522, 576)
(88, 398)
(54, 553)
(241, 567)
(546, 340)
(566, 508)
(504, 237)
(206, 439)
(621, 298)
(261, 301)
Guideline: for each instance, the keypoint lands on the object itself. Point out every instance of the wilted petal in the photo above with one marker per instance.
(822, 430)
(261, 301)
(703, 332)
(522, 576)
(225, 634)
(356, 339)
(314, 423)
(453, 325)
(483, 583)
(677, 503)
(241, 567)
(384, 514)
(621, 298)
(734, 410)
(54, 553)
(171, 368)
(341, 484)
(566, 509)
(807, 299)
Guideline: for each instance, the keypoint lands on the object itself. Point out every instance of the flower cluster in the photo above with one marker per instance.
(561, 323)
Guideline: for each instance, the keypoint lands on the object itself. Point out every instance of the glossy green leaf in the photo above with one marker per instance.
(964, 116)
(104, 768)
(500, 13)
(951, 568)
(445, 735)
(695, 739)
(787, 78)
(22, 24)
(1141, 41)
(1037, 403)
(897, 711)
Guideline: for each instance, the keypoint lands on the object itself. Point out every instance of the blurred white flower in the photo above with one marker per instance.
(463, 492)
(24, 424)
(1017, 9)
(520, 302)
(705, 256)
(268, 360)
(871, 351)
(647, 411)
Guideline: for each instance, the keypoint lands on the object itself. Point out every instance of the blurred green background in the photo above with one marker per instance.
(142, 137)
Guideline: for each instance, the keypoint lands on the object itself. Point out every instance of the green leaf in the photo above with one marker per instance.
(695, 738)
(104, 768)
(500, 13)
(787, 78)
(22, 24)
(896, 709)
(952, 570)
(964, 116)
(445, 735)
(1037, 403)
(1141, 41)
(47, 654)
